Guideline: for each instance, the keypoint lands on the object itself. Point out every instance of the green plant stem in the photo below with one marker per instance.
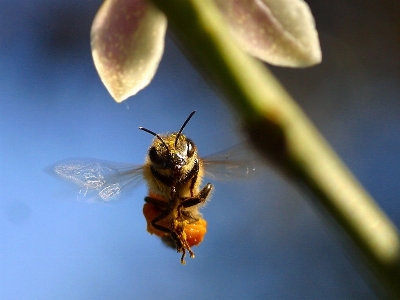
(281, 132)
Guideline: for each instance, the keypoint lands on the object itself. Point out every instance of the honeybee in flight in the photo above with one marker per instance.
(173, 171)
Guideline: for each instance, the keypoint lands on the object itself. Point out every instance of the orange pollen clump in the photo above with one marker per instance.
(150, 212)
(194, 232)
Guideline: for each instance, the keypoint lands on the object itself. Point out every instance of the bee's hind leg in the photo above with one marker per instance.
(164, 213)
(175, 234)
(156, 202)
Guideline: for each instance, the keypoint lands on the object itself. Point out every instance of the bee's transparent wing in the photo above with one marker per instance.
(98, 179)
(235, 162)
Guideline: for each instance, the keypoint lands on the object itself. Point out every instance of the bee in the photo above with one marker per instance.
(173, 171)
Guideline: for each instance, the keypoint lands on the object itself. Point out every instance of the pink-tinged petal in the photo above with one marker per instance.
(127, 44)
(280, 32)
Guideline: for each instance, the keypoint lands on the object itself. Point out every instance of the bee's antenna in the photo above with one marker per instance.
(183, 126)
(155, 134)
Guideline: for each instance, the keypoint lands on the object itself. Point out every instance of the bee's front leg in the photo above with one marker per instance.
(201, 197)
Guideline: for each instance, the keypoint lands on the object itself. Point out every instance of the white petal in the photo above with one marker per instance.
(127, 41)
(280, 32)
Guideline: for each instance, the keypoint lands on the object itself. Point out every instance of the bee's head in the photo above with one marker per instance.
(174, 152)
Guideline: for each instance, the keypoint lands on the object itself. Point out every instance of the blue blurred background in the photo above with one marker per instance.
(264, 240)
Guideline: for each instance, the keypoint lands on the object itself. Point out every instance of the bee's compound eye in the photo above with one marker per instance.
(155, 157)
(190, 148)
